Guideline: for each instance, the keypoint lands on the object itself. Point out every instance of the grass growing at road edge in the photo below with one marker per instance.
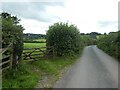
(24, 77)
(30, 75)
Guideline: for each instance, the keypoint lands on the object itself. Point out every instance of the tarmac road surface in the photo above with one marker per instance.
(95, 69)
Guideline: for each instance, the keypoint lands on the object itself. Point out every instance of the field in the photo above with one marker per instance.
(41, 40)
(34, 45)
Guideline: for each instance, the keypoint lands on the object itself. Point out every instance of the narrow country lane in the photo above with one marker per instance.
(95, 69)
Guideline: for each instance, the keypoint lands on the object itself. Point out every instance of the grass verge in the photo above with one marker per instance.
(53, 70)
(23, 77)
(38, 74)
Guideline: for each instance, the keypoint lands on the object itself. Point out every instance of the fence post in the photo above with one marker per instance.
(11, 56)
(53, 52)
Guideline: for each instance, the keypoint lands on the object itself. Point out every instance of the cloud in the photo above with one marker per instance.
(34, 26)
(107, 23)
(31, 10)
(89, 15)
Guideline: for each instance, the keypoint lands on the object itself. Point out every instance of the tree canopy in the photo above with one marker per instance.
(12, 32)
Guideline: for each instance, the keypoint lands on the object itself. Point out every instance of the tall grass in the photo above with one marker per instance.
(23, 77)
(29, 74)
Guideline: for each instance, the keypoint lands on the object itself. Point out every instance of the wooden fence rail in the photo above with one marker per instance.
(6, 57)
(32, 54)
(29, 54)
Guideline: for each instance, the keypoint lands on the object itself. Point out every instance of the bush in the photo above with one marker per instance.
(12, 32)
(64, 38)
(29, 41)
(110, 44)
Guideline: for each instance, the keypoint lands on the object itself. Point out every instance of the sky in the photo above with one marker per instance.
(88, 15)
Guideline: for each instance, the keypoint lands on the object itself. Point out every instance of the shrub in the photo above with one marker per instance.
(12, 32)
(110, 44)
(29, 41)
(64, 38)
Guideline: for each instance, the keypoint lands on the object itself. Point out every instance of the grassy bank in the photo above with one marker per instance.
(39, 74)
(52, 70)
(23, 77)
(42, 73)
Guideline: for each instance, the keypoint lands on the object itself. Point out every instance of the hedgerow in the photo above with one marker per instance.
(64, 38)
(110, 44)
(12, 32)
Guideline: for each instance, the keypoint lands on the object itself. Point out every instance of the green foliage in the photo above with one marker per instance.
(34, 41)
(93, 34)
(42, 40)
(54, 68)
(118, 45)
(12, 32)
(54, 65)
(27, 75)
(31, 37)
(88, 40)
(110, 44)
(64, 38)
(24, 77)
(34, 45)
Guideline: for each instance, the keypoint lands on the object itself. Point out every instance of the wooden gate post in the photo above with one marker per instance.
(53, 52)
(11, 56)
(14, 58)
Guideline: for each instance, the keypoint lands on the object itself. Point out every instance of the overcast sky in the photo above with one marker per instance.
(88, 15)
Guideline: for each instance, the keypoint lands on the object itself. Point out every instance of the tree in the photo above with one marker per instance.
(12, 32)
(64, 38)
